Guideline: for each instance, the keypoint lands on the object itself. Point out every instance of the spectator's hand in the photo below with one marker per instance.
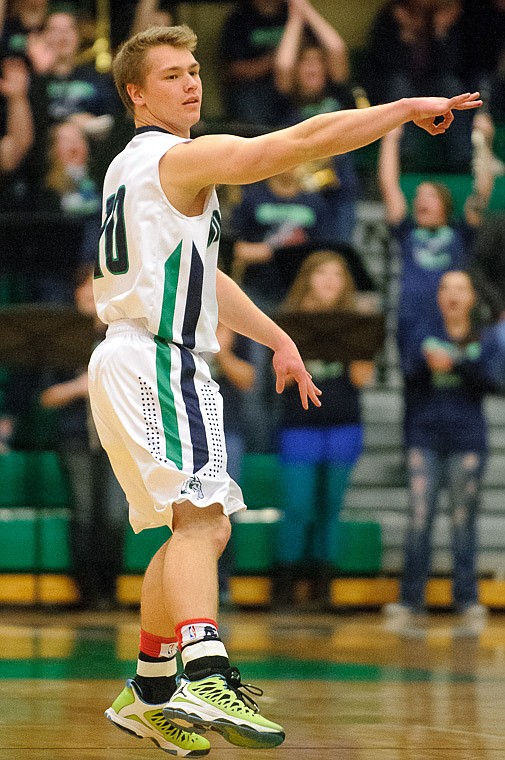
(411, 24)
(288, 364)
(445, 17)
(426, 110)
(40, 53)
(16, 79)
(439, 360)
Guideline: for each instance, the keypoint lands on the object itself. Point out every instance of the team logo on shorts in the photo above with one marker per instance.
(193, 486)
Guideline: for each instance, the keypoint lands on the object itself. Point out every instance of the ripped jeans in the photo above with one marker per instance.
(462, 473)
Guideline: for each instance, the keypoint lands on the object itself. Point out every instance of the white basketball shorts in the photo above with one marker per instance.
(159, 417)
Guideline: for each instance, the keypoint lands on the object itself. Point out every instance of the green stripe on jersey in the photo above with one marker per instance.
(172, 267)
(167, 402)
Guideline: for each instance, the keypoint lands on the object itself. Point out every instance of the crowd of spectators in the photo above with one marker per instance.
(281, 61)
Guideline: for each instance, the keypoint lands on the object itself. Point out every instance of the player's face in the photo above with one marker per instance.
(456, 295)
(171, 94)
(429, 209)
(326, 284)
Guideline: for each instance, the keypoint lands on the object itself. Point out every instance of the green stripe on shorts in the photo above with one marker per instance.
(167, 402)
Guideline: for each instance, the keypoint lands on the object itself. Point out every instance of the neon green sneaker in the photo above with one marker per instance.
(216, 703)
(130, 713)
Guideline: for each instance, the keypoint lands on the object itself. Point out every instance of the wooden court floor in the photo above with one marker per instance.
(345, 687)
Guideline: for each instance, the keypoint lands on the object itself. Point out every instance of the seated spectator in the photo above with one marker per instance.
(416, 46)
(249, 38)
(100, 512)
(319, 445)
(312, 76)
(68, 185)
(272, 214)
(429, 241)
(446, 442)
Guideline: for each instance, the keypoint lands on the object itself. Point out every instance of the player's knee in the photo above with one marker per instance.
(208, 524)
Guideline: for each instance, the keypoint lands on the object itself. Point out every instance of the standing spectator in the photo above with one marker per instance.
(16, 139)
(430, 242)
(445, 438)
(321, 444)
(313, 77)
(272, 215)
(414, 46)
(68, 90)
(249, 39)
(100, 512)
(22, 22)
(488, 274)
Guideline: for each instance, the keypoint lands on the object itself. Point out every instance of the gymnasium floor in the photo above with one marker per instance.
(344, 686)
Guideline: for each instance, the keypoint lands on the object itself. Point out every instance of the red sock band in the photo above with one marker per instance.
(151, 644)
(196, 621)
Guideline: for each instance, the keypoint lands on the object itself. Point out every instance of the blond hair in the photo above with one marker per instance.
(301, 285)
(129, 66)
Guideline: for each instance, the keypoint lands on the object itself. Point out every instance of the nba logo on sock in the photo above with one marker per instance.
(192, 632)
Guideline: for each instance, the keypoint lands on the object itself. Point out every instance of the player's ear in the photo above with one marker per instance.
(136, 93)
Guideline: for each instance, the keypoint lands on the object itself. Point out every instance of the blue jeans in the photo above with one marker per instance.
(316, 466)
(463, 472)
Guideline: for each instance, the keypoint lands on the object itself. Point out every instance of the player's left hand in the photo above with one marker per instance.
(287, 364)
(426, 110)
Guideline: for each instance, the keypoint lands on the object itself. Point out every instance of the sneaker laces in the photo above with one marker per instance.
(234, 681)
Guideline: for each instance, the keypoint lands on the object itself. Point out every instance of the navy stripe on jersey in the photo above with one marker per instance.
(195, 419)
(193, 299)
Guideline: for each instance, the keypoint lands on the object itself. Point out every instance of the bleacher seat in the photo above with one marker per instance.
(260, 480)
(13, 484)
(139, 548)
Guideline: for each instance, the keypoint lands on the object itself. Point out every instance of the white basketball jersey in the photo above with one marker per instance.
(155, 264)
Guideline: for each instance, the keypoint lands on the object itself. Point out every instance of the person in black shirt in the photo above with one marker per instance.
(250, 36)
(320, 446)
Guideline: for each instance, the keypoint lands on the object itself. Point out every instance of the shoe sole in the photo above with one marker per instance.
(114, 718)
(235, 733)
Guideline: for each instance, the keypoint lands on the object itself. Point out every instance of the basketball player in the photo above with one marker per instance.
(156, 408)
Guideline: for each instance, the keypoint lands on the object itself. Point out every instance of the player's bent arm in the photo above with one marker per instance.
(226, 159)
(239, 313)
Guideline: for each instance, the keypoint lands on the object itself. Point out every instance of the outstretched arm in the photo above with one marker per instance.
(389, 176)
(226, 159)
(240, 314)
